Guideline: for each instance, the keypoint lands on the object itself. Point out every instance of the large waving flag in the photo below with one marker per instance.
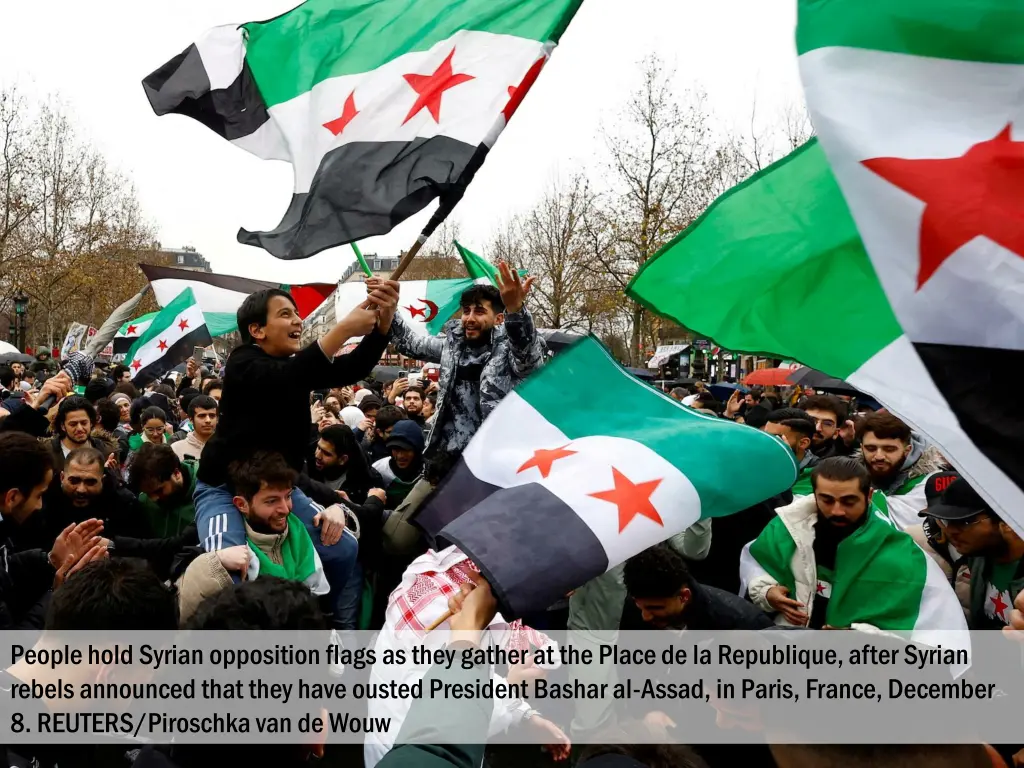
(380, 107)
(170, 339)
(778, 266)
(220, 296)
(581, 487)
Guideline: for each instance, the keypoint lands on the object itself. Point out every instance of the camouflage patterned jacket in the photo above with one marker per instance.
(516, 351)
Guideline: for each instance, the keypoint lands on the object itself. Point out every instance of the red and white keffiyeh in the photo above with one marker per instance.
(422, 598)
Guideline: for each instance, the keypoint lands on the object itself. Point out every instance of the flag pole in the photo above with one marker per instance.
(362, 261)
(447, 205)
(409, 256)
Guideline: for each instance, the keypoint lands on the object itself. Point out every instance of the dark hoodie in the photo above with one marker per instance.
(399, 481)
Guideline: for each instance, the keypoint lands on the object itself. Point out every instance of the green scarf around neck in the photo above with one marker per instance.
(298, 559)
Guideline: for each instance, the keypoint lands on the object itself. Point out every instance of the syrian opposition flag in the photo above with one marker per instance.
(380, 107)
(131, 332)
(915, 298)
(891, 583)
(582, 485)
(170, 339)
(220, 296)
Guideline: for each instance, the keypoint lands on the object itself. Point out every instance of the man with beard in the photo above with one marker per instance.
(26, 471)
(836, 434)
(826, 561)
(484, 356)
(74, 423)
(663, 595)
(412, 402)
(797, 428)
(996, 552)
(88, 492)
(165, 486)
(900, 463)
(405, 467)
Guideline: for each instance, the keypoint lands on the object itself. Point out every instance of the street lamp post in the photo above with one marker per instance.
(21, 318)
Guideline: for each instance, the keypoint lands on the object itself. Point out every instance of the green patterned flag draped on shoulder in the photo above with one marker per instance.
(890, 251)
(380, 107)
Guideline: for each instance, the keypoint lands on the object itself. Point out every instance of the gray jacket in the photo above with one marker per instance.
(517, 350)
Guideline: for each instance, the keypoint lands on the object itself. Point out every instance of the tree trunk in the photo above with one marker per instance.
(634, 347)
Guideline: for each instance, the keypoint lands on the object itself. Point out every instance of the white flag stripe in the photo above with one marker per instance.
(413, 294)
(223, 53)
(383, 97)
(869, 104)
(151, 351)
(210, 298)
(520, 430)
(140, 329)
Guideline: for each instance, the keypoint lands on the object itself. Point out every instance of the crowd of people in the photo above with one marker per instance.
(281, 491)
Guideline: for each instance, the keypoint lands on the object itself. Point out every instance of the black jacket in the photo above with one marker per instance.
(24, 418)
(265, 404)
(710, 609)
(159, 553)
(729, 535)
(25, 579)
(116, 506)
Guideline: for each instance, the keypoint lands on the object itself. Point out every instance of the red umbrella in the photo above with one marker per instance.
(769, 377)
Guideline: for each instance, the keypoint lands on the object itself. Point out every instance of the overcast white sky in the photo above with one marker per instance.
(198, 190)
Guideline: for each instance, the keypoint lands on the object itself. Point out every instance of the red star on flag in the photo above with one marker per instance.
(130, 331)
(432, 87)
(998, 606)
(136, 365)
(820, 588)
(417, 311)
(183, 324)
(518, 92)
(543, 458)
(631, 498)
(162, 345)
(974, 195)
(348, 114)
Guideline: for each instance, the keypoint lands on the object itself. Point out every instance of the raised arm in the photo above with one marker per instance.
(415, 345)
(525, 345)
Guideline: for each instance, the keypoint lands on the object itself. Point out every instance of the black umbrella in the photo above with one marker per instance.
(16, 357)
(808, 377)
(558, 340)
(385, 373)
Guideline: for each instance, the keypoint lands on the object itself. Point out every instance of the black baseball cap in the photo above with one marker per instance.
(958, 501)
(936, 484)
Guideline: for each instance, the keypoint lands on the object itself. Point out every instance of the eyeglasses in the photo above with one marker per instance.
(964, 523)
(825, 423)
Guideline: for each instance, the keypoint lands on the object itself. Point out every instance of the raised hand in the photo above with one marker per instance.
(513, 291)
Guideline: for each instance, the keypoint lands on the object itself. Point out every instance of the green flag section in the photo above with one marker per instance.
(170, 339)
(380, 107)
(880, 578)
(478, 267)
(917, 106)
(761, 270)
(582, 486)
